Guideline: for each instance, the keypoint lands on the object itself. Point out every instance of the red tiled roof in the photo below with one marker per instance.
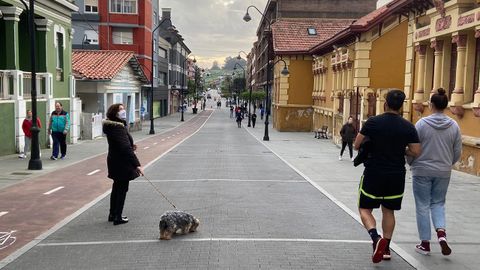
(99, 65)
(365, 20)
(291, 35)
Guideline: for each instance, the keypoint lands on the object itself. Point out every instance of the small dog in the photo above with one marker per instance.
(172, 222)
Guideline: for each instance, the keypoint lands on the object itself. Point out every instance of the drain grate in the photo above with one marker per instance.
(20, 173)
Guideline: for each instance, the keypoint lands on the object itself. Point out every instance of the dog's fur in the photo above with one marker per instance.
(172, 222)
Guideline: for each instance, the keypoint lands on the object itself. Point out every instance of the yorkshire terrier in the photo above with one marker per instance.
(172, 222)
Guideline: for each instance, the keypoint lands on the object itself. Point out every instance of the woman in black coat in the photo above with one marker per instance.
(122, 163)
(348, 133)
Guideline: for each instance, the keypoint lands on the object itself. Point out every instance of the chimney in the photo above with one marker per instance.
(166, 13)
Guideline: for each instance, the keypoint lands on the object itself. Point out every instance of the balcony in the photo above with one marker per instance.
(16, 84)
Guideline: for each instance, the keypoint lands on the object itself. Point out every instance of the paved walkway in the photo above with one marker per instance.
(256, 212)
(318, 161)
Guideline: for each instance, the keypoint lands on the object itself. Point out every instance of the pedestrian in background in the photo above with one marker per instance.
(26, 127)
(231, 111)
(441, 148)
(58, 128)
(383, 182)
(239, 117)
(262, 112)
(348, 133)
(254, 119)
(123, 165)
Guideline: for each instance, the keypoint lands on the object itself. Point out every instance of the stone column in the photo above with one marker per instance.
(334, 79)
(476, 97)
(456, 101)
(43, 27)
(418, 96)
(437, 45)
(11, 16)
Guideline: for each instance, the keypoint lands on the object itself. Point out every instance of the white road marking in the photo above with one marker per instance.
(300, 240)
(155, 143)
(221, 180)
(53, 190)
(168, 137)
(146, 147)
(3, 213)
(163, 140)
(93, 172)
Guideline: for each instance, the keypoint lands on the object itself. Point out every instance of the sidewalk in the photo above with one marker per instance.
(318, 160)
(14, 170)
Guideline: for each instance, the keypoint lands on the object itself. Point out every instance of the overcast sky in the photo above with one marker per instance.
(214, 29)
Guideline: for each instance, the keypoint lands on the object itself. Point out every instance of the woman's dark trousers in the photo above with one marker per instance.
(350, 145)
(117, 198)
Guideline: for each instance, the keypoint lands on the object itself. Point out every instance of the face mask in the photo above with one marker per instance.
(122, 114)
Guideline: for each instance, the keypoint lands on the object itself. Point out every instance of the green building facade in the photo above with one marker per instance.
(53, 33)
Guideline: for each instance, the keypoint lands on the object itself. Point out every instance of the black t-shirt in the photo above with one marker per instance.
(389, 134)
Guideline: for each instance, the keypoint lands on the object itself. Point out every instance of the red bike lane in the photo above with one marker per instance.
(34, 206)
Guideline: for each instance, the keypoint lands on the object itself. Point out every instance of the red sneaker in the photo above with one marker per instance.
(379, 248)
(446, 250)
(423, 248)
(386, 254)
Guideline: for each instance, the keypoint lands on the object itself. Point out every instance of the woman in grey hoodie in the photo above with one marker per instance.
(441, 148)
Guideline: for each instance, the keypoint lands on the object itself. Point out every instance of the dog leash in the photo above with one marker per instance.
(163, 195)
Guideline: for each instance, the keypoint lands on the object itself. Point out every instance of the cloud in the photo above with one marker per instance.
(214, 29)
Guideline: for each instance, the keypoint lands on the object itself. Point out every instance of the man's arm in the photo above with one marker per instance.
(358, 141)
(414, 150)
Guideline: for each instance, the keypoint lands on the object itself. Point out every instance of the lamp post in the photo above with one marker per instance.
(250, 90)
(234, 68)
(152, 127)
(248, 18)
(35, 163)
(183, 81)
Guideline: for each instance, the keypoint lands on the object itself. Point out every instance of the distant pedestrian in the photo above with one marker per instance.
(231, 111)
(254, 119)
(348, 133)
(26, 127)
(239, 118)
(262, 112)
(58, 127)
(441, 148)
(383, 182)
(122, 163)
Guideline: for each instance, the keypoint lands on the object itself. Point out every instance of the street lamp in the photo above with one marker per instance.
(183, 81)
(249, 102)
(35, 163)
(170, 28)
(248, 18)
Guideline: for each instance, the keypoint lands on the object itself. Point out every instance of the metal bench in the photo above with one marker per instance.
(322, 133)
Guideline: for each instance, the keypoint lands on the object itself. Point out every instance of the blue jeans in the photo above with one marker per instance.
(430, 193)
(59, 141)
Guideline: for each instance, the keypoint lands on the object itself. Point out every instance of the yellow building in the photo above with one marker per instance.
(445, 52)
(356, 68)
(292, 94)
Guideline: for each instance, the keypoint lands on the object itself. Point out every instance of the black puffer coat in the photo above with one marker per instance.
(348, 133)
(122, 162)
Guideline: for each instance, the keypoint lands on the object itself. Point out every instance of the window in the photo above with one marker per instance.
(312, 31)
(154, 71)
(162, 78)
(162, 53)
(91, 6)
(123, 6)
(155, 46)
(91, 37)
(59, 50)
(155, 18)
(476, 73)
(453, 70)
(122, 36)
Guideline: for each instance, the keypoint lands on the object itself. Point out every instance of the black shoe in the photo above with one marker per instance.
(119, 221)
(111, 218)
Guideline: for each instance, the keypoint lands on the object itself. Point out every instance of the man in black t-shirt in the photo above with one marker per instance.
(383, 181)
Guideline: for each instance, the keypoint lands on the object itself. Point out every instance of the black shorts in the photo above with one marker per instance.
(377, 189)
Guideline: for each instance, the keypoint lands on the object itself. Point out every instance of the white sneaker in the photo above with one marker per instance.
(352, 158)
(340, 158)
(22, 156)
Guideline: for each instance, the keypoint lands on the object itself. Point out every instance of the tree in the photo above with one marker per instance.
(229, 63)
(215, 65)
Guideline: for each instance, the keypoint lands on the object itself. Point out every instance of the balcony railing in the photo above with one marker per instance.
(16, 84)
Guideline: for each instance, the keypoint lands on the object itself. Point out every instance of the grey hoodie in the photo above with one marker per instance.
(441, 146)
